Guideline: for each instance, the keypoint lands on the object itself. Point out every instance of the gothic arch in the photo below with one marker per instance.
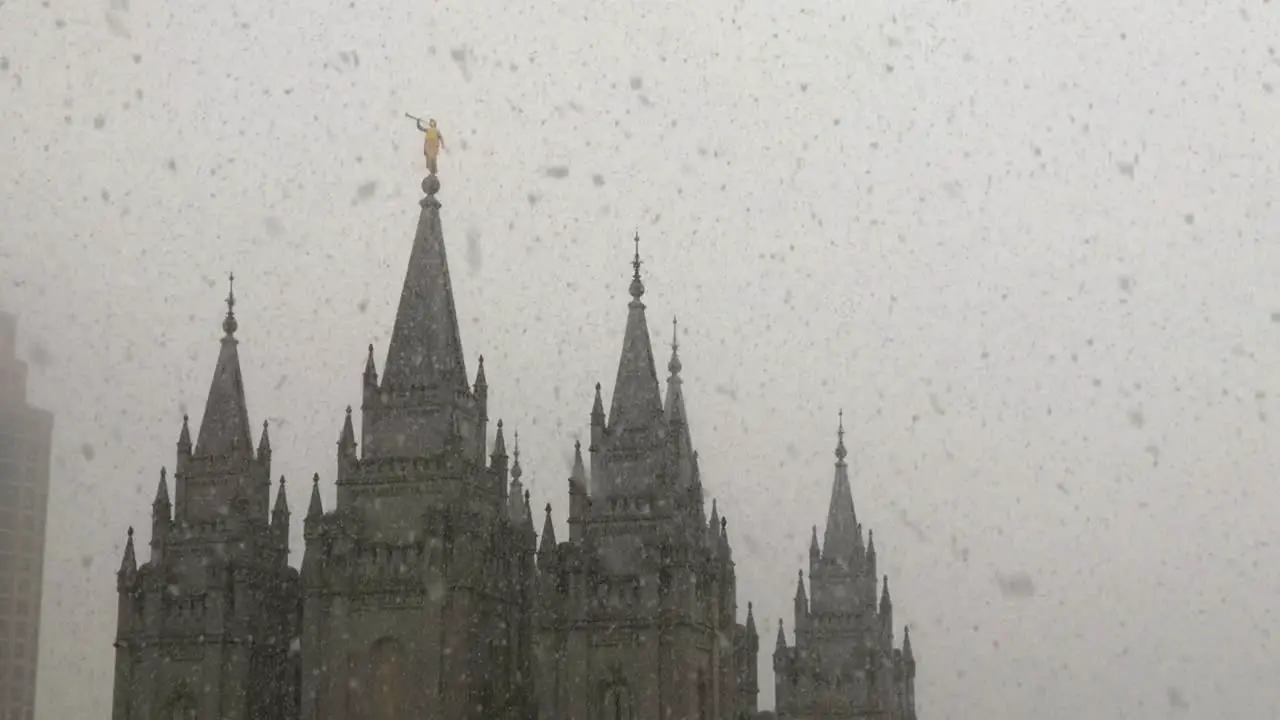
(388, 680)
(615, 697)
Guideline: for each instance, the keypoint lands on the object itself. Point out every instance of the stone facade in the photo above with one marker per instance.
(843, 664)
(204, 627)
(426, 592)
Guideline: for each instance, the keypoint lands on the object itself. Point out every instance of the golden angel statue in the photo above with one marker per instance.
(433, 143)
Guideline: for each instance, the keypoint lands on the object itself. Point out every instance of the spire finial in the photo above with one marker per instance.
(130, 532)
(637, 287)
(516, 472)
(674, 366)
(229, 324)
(841, 453)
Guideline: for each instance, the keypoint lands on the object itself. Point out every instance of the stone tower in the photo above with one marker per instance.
(636, 612)
(843, 664)
(206, 626)
(416, 586)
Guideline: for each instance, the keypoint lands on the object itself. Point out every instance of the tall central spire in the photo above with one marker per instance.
(637, 398)
(842, 538)
(225, 428)
(424, 404)
(426, 348)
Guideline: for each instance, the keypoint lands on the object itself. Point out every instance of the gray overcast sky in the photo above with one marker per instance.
(1029, 247)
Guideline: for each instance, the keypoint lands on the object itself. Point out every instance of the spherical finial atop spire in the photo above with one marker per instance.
(637, 287)
(674, 366)
(229, 324)
(431, 185)
(841, 452)
(516, 472)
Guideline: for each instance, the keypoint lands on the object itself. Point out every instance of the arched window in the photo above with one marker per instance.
(387, 680)
(617, 702)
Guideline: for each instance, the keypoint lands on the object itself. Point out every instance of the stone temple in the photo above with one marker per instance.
(427, 590)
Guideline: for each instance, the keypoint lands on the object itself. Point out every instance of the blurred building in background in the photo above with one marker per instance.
(26, 434)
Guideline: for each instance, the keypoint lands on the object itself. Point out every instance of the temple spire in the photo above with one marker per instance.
(225, 428)
(547, 544)
(129, 563)
(370, 369)
(841, 452)
(515, 505)
(161, 502)
(637, 397)
(426, 347)
(229, 324)
(280, 513)
(842, 539)
(315, 509)
(579, 472)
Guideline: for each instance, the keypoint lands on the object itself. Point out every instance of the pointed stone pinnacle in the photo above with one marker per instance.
(229, 324)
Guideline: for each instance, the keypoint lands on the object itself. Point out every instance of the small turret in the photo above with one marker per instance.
(529, 533)
(161, 517)
(369, 386)
(264, 444)
(312, 527)
(577, 494)
(726, 550)
(128, 564)
(280, 513)
(780, 646)
(161, 506)
(481, 391)
(515, 498)
(597, 421)
(315, 510)
(547, 544)
(801, 603)
(347, 439)
(184, 444)
(498, 460)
